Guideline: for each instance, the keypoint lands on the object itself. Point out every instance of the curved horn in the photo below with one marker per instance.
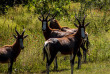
(39, 18)
(16, 31)
(48, 15)
(42, 15)
(83, 19)
(23, 31)
(78, 20)
(53, 16)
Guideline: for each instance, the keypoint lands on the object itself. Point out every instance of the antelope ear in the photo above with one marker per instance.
(25, 36)
(87, 24)
(15, 37)
(76, 25)
(39, 19)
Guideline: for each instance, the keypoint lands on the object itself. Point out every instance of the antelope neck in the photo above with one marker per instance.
(57, 25)
(47, 32)
(78, 34)
(16, 46)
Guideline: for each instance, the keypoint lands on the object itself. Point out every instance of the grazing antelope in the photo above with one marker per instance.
(55, 25)
(68, 45)
(9, 53)
(51, 33)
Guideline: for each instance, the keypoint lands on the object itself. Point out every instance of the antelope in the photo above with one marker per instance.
(51, 33)
(68, 45)
(55, 25)
(54, 33)
(9, 53)
(59, 32)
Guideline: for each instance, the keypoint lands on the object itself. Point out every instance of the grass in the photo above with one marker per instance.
(89, 68)
(30, 59)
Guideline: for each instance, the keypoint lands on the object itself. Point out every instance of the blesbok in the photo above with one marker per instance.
(51, 33)
(68, 45)
(9, 53)
(55, 25)
(55, 33)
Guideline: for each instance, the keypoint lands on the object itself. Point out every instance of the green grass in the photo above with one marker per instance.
(30, 59)
(89, 68)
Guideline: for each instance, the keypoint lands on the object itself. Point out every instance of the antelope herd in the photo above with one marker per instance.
(66, 45)
(59, 41)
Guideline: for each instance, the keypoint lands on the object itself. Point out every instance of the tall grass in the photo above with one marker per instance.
(30, 59)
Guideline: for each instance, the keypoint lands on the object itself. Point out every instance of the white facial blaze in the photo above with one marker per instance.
(82, 32)
(21, 43)
(44, 25)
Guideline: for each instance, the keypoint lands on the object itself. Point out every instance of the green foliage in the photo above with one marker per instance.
(51, 6)
(99, 4)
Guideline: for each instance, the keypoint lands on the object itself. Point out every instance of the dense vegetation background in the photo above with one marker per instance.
(26, 12)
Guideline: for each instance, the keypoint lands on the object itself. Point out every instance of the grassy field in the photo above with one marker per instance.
(30, 59)
(89, 68)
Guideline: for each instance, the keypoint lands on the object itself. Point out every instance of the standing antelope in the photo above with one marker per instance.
(51, 33)
(9, 53)
(68, 45)
(55, 25)
(55, 33)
